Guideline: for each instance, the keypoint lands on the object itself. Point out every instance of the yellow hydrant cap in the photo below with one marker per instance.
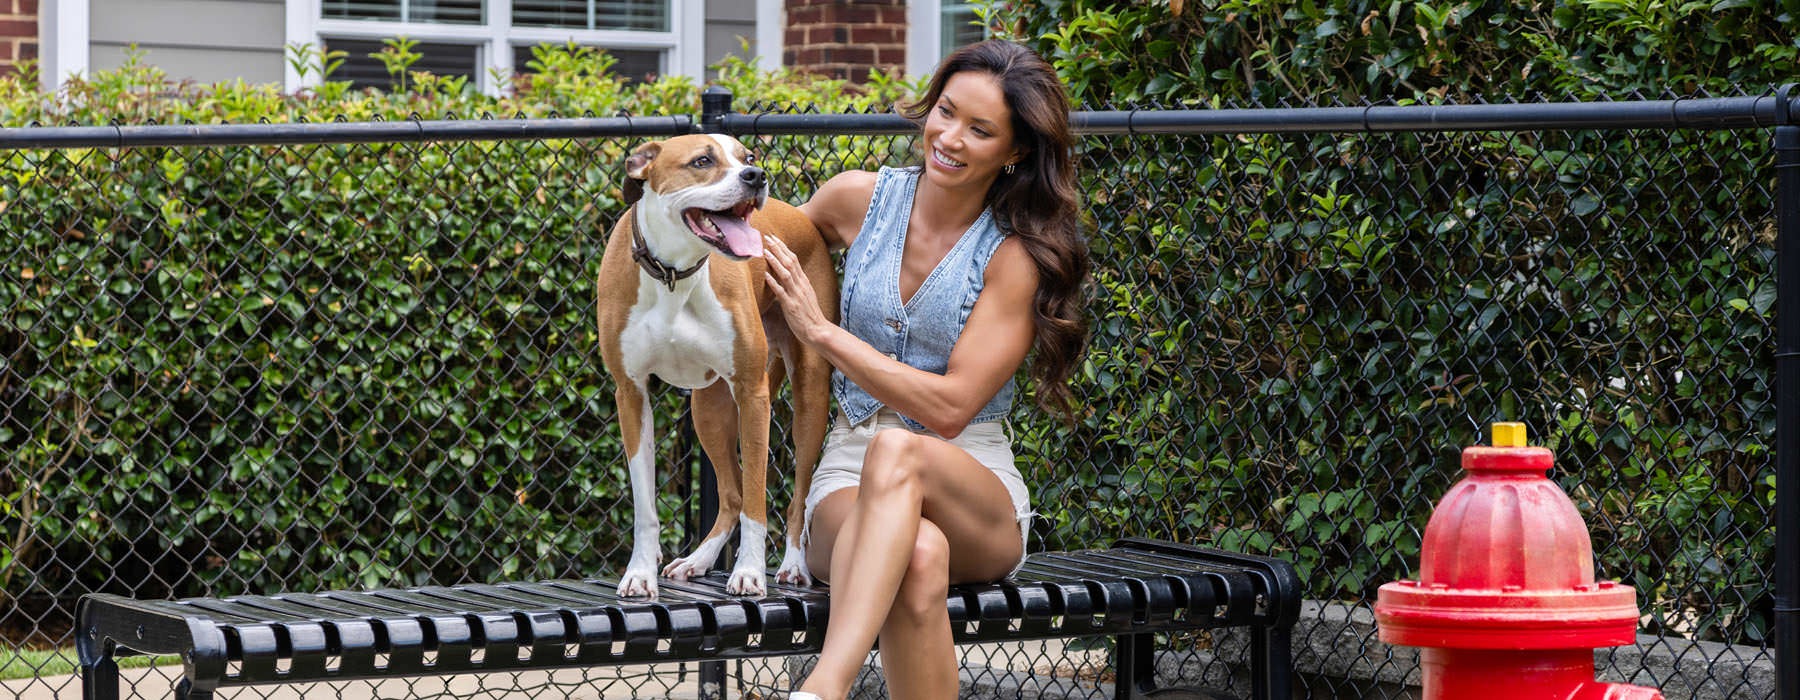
(1509, 434)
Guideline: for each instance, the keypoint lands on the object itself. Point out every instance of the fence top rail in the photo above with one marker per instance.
(1696, 113)
(1699, 113)
(273, 134)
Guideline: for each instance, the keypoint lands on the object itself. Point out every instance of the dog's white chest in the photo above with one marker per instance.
(684, 337)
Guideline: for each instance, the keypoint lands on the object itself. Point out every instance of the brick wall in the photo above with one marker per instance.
(18, 33)
(844, 38)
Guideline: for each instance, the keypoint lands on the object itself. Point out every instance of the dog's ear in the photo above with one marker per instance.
(637, 167)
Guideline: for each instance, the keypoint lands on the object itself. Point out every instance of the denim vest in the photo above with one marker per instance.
(921, 332)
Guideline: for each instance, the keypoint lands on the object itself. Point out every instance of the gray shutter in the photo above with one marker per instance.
(634, 65)
(362, 70)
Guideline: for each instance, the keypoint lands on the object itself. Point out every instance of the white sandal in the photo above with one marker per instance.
(803, 695)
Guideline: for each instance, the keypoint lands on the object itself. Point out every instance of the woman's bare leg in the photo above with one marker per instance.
(871, 534)
(918, 655)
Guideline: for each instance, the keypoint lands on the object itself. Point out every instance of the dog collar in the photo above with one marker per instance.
(656, 268)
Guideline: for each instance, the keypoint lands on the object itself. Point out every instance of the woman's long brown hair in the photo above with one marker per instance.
(1037, 203)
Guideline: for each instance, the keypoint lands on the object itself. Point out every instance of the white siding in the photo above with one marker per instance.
(201, 40)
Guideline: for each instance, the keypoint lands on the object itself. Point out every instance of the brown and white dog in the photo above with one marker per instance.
(682, 298)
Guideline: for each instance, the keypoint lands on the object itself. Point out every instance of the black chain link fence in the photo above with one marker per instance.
(300, 366)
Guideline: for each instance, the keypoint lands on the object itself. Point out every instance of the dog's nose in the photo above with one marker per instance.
(753, 176)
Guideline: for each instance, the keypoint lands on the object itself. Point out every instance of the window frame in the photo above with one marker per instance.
(496, 36)
(924, 36)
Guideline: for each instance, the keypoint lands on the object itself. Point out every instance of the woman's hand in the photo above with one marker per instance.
(794, 292)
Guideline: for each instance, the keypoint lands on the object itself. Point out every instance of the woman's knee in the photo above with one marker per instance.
(892, 462)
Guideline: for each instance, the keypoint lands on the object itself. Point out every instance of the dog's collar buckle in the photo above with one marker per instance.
(655, 267)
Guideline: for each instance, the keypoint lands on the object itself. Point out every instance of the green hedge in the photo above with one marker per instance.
(318, 366)
(1308, 328)
(1297, 335)
(1324, 51)
(1354, 308)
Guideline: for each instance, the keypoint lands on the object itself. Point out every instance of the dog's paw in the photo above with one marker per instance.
(637, 584)
(683, 569)
(793, 571)
(746, 582)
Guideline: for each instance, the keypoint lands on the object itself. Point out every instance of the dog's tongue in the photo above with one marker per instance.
(739, 237)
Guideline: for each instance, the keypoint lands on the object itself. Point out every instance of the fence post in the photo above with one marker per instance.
(1787, 398)
(715, 102)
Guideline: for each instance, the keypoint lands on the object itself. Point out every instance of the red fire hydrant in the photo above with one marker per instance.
(1506, 605)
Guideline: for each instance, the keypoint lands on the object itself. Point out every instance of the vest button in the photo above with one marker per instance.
(895, 324)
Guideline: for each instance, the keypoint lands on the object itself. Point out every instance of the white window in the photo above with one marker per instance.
(960, 27)
(937, 27)
(486, 40)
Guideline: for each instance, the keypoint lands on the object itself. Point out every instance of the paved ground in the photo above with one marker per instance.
(581, 684)
(664, 681)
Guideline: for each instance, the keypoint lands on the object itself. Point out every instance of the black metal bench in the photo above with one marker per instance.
(1131, 591)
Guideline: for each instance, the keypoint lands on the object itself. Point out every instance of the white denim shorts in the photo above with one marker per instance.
(840, 466)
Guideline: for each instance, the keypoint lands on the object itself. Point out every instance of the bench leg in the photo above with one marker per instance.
(100, 679)
(1134, 665)
(1271, 667)
(184, 690)
(1271, 663)
(712, 680)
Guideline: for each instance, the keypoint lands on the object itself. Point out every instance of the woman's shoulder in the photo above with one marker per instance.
(839, 205)
(861, 184)
(1011, 269)
(850, 183)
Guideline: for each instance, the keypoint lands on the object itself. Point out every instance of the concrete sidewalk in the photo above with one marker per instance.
(577, 684)
(1047, 658)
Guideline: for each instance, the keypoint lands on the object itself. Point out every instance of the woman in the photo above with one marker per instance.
(917, 488)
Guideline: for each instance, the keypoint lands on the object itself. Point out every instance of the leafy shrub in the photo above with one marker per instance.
(262, 368)
(1298, 332)
(1266, 51)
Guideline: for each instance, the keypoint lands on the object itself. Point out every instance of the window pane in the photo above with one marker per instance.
(637, 15)
(445, 11)
(388, 10)
(634, 65)
(960, 26)
(364, 70)
(550, 13)
(643, 15)
(432, 11)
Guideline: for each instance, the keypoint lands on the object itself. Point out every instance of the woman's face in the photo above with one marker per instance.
(968, 132)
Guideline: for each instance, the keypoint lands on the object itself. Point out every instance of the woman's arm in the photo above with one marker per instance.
(840, 205)
(993, 344)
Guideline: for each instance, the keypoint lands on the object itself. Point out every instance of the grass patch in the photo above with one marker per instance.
(16, 664)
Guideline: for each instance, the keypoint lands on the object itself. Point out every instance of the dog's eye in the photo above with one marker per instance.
(749, 159)
(702, 162)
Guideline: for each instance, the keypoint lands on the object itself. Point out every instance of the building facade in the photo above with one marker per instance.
(486, 40)
(18, 33)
